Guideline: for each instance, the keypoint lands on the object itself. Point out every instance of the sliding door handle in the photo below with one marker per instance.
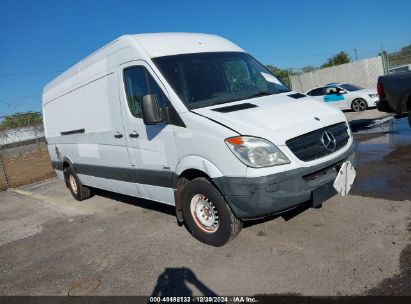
(118, 135)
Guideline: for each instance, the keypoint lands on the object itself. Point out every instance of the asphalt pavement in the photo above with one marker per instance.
(111, 244)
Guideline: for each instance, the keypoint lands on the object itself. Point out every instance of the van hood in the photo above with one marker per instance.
(276, 117)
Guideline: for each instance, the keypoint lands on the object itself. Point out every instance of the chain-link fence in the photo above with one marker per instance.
(23, 150)
(398, 61)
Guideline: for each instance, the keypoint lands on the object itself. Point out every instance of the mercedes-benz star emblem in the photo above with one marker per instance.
(328, 140)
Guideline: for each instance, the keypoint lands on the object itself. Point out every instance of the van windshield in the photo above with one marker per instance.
(206, 79)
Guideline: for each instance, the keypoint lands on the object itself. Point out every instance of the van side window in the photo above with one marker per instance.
(138, 82)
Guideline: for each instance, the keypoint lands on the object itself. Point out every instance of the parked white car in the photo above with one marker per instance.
(345, 96)
(193, 121)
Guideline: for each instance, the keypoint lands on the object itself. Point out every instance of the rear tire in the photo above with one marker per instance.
(359, 105)
(206, 213)
(77, 189)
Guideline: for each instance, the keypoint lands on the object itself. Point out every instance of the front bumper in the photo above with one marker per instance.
(373, 102)
(256, 197)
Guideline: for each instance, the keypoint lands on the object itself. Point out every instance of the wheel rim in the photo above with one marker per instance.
(73, 184)
(355, 106)
(204, 213)
(363, 105)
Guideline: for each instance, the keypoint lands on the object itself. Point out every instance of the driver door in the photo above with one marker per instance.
(152, 148)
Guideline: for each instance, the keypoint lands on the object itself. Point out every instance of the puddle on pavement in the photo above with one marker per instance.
(384, 160)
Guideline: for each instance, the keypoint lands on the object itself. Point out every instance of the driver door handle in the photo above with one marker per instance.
(134, 134)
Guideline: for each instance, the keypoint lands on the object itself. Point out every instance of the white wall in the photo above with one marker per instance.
(363, 73)
(12, 136)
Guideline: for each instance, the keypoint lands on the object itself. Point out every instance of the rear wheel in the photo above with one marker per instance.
(77, 189)
(206, 213)
(359, 105)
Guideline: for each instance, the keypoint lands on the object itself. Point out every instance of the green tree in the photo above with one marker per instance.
(406, 48)
(308, 68)
(19, 120)
(399, 58)
(340, 58)
(283, 74)
(383, 53)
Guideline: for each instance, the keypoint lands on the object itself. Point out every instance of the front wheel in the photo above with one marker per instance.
(206, 213)
(359, 105)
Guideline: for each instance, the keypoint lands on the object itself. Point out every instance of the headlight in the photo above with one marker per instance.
(373, 95)
(256, 152)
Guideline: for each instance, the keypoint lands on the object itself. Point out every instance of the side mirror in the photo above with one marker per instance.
(340, 92)
(151, 110)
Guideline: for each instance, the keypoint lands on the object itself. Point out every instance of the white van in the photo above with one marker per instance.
(192, 120)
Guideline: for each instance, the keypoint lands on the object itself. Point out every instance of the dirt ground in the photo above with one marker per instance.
(3, 178)
(26, 168)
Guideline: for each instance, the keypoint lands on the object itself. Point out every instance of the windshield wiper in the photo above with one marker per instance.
(256, 94)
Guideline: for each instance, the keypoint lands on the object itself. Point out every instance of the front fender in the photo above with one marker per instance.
(198, 163)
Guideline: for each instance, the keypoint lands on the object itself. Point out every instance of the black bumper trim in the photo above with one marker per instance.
(256, 197)
(132, 175)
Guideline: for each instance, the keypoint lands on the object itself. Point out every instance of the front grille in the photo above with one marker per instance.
(309, 146)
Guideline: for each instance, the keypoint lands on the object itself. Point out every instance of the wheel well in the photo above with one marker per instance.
(358, 98)
(66, 164)
(182, 180)
(191, 174)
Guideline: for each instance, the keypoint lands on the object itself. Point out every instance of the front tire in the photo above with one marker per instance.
(359, 105)
(77, 189)
(206, 213)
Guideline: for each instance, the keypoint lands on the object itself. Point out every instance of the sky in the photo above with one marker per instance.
(39, 39)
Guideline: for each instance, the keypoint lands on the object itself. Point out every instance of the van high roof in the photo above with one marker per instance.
(143, 47)
(165, 44)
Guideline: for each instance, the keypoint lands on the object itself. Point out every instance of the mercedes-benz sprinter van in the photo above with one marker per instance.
(194, 121)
